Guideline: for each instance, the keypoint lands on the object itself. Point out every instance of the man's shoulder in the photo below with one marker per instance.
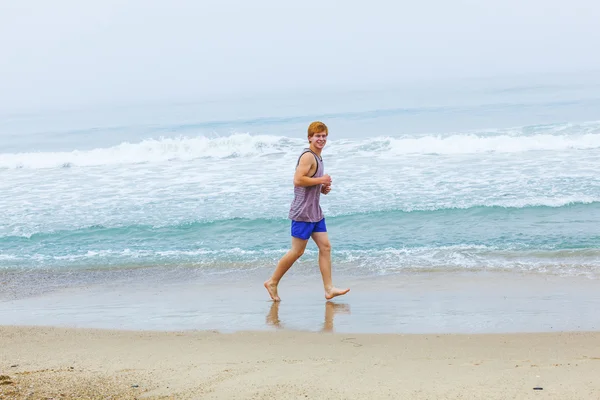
(307, 155)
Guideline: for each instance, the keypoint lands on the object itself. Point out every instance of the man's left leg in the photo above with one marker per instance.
(322, 241)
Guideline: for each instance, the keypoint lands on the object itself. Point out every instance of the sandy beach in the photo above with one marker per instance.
(41, 363)
(427, 336)
(186, 336)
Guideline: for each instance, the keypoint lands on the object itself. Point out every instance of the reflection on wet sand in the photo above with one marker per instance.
(273, 315)
(331, 308)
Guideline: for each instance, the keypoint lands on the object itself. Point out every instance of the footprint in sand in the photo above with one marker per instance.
(351, 340)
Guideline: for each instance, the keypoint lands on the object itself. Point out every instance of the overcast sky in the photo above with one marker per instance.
(114, 51)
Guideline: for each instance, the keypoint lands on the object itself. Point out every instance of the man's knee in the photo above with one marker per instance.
(325, 247)
(297, 253)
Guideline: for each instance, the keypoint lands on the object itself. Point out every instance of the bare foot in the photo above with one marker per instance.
(334, 292)
(272, 289)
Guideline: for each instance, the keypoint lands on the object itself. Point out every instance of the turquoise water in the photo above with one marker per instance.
(478, 179)
(532, 238)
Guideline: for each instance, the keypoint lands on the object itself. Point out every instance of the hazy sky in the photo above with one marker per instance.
(85, 52)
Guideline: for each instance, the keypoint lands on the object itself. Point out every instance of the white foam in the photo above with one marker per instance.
(150, 151)
(467, 144)
(573, 262)
(567, 262)
(246, 145)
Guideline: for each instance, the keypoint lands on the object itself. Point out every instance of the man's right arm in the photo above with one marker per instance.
(301, 177)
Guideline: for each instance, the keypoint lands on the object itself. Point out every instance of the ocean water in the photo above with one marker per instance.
(478, 178)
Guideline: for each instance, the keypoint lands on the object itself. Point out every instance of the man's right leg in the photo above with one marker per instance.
(298, 247)
(322, 241)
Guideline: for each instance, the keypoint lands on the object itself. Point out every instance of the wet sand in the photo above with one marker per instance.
(470, 303)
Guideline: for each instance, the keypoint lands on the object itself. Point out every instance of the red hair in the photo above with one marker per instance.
(317, 127)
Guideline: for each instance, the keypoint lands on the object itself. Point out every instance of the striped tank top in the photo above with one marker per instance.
(305, 206)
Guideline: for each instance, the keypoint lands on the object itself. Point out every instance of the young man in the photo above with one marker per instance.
(306, 214)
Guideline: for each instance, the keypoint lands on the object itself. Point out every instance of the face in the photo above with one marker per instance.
(319, 140)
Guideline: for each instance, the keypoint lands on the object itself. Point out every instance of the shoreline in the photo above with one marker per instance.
(425, 303)
(42, 362)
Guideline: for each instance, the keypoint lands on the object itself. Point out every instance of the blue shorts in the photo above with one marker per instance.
(303, 230)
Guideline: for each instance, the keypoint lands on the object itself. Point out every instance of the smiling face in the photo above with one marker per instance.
(318, 140)
(317, 135)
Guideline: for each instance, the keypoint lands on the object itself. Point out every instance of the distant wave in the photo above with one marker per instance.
(466, 144)
(149, 151)
(558, 137)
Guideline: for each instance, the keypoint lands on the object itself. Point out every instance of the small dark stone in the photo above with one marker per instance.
(14, 366)
(538, 388)
(134, 386)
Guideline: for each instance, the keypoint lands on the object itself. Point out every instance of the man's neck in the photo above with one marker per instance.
(315, 150)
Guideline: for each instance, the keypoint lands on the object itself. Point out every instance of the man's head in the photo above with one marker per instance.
(317, 132)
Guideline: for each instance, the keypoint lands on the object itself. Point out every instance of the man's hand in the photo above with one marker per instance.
(326, 180)
(325, 189)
